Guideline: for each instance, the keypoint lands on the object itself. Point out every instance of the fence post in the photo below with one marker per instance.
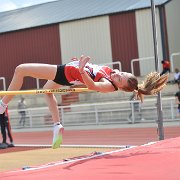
(172, 110)
(30, 118)
(4, 83)
(96, 115)
(171, 60)
(133, 114)
(62, 115)
(37, 83)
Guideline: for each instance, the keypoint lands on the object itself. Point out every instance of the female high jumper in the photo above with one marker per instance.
(98, 78)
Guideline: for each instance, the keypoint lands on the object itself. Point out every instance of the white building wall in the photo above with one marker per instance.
(145, 40)
(173, 28)
(89, 37)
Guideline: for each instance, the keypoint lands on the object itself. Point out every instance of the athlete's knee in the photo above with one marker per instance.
(20, 69)
(48, 95)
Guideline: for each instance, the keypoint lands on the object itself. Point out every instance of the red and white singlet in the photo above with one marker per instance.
(94, 71)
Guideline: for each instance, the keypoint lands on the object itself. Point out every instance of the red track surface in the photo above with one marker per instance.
(159, 161)
(125, 136)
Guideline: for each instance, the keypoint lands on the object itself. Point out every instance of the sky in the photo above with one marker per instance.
(7, 5)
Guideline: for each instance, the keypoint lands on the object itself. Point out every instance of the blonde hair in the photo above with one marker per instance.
(152, 84)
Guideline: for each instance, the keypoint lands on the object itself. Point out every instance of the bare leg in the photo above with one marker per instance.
(35, 70)
(51, 100)
(52, 104)
(40, 71)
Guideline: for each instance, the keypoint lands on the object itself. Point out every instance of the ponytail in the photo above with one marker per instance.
(153, 84)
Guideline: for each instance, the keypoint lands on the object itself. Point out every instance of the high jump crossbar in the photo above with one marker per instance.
(45, 91)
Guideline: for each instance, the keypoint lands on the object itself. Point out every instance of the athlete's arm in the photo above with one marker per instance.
(102, 86)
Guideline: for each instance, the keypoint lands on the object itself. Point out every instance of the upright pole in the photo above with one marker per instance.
(159, 103)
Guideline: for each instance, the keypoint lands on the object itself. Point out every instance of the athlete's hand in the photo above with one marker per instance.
(82, 62)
